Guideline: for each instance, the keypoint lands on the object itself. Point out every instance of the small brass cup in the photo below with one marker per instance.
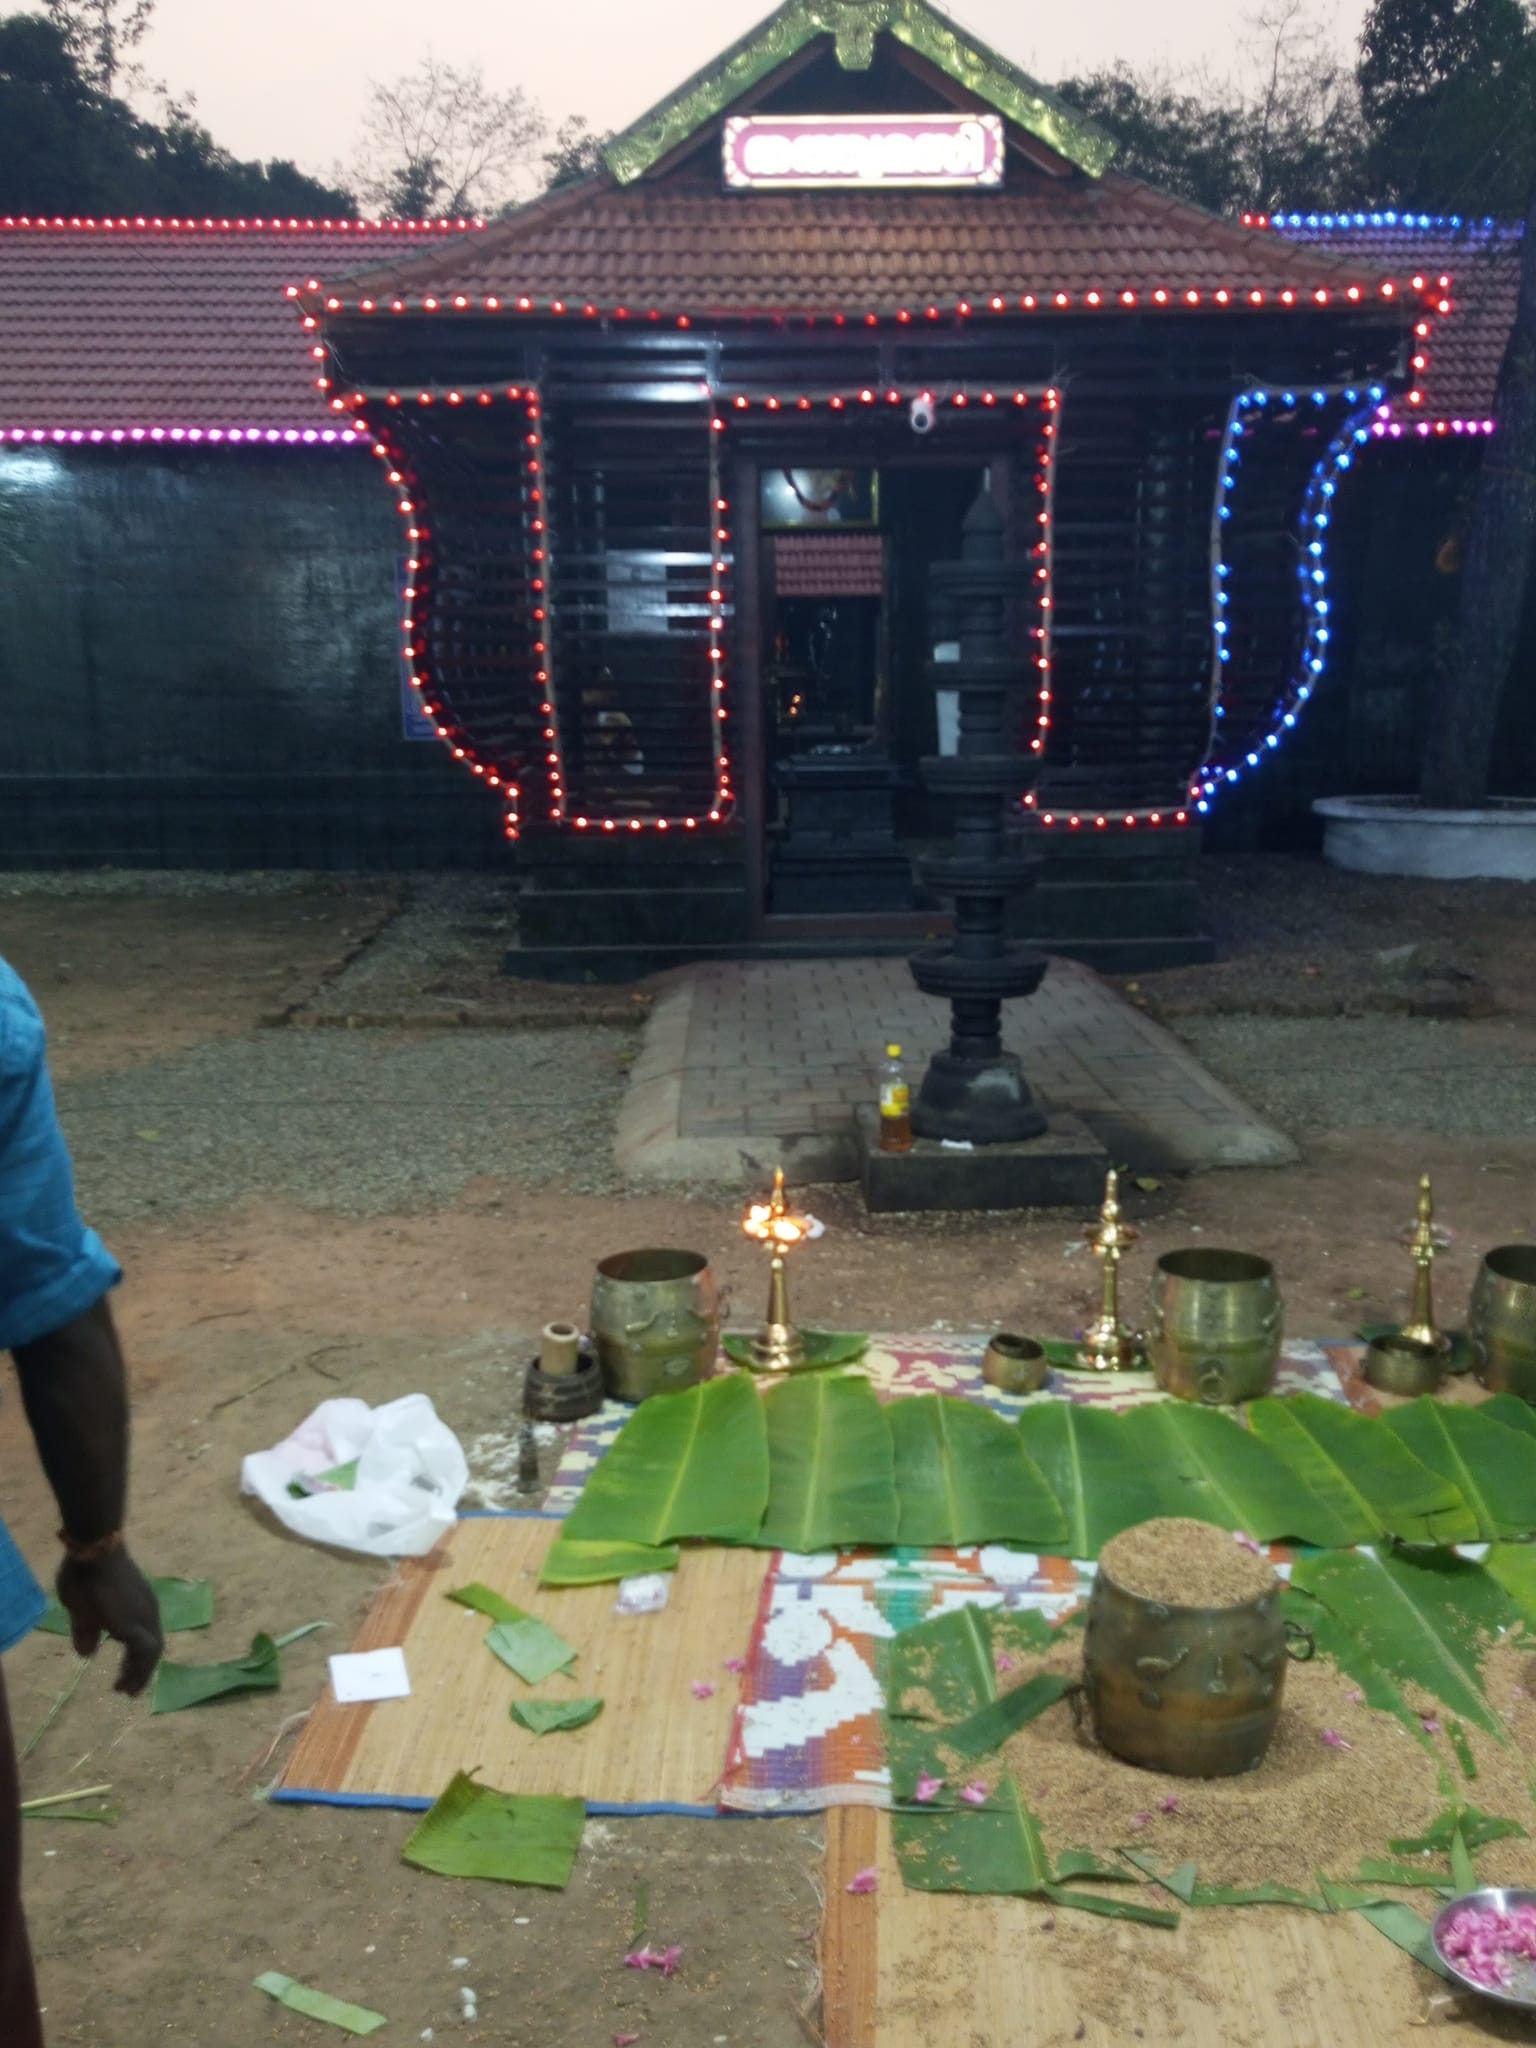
(1401, 1365)
(1502, 1323)
(1214, 1334)
(1015, 1365)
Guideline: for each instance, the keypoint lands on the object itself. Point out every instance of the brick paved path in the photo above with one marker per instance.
(752, 1064)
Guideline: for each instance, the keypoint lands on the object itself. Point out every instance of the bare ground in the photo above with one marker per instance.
(240, 1317)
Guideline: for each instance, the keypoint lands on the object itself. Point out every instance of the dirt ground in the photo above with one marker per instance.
(238, 1320)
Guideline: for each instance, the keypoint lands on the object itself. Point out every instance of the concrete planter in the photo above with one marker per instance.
(1396, 835)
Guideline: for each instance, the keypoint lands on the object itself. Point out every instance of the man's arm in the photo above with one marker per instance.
(75, 1388)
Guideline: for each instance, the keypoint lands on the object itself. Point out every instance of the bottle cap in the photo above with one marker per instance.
(893, 1052)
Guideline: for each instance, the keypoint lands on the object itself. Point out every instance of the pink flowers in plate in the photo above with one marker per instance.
(974, 1795)
(926, 1789)
(1482, 1941)
(1332, 1739)
(703, 1689)
(664, 1959)
(863, 1881)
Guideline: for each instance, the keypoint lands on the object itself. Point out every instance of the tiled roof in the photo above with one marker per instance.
(112, 329)
(699, 251)
(1482, 260)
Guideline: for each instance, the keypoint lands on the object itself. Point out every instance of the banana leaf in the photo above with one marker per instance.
(190, 1685)
(964, 1476)
(183, 1604)
(824, 1349)
(475, 1831)
(1424, 1617)
(530, 1647)
(1361, 1471)
(1477, 1830)
(1514, 1566)
(689, 1464)
(1493, 1467)
(571, 1562)
(1334, 1640)
(1399, 1923)
(990, 1726)
(1092, 1467)
(1206, 1465)
(318, 2005)
(545, 1717)
(485, 1600)
(831, 1467)
(1512, 1412)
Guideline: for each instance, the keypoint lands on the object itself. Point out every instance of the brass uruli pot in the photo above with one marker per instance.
(1214, 1326)
(1194, 1691)
(655, 1321)
(1015, 1365)
(1502, 1323)
(1398, 1365)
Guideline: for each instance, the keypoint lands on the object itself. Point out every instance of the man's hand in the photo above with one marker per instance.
(113, 1598)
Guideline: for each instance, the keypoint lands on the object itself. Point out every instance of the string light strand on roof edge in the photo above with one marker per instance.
(215, 437)
(227, 224)
(1285, 223)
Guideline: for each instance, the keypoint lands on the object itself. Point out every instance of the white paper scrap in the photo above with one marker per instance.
(647, 1594)
(364, 1675)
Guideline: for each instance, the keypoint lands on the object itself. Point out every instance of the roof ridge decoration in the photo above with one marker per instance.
(854, 26)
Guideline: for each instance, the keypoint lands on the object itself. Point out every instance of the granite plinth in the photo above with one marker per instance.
(1064, 1168)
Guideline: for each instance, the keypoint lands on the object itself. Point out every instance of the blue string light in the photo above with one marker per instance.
(1247, 410)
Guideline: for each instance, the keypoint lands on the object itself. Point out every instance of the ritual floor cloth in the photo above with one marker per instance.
(655, 1748)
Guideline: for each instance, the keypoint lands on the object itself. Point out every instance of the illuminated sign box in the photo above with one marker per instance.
(798, 152)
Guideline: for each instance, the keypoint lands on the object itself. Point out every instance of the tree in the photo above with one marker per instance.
(1501, 544)
(1448, 89)
(575, 152)
(439, 144)
(1284, 133)
(67, 147)
(100, 33)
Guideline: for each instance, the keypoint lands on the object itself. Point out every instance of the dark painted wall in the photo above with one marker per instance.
(198, 664)
(1395, 593)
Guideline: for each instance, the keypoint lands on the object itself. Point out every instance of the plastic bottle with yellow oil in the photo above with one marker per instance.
(895, 1104)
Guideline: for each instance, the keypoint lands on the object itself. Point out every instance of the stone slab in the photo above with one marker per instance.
(1063, 1168)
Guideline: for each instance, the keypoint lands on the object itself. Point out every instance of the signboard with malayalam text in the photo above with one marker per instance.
(770, 153)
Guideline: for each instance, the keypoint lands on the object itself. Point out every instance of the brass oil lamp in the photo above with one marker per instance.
(1422, 1241)
(1108, 1346)
(778, 1346)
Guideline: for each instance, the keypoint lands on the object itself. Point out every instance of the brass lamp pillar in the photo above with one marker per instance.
(1420, 1327)
(777, 1346)
(1108, 1346)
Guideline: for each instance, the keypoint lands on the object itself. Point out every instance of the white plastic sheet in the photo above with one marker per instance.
(411, 1472)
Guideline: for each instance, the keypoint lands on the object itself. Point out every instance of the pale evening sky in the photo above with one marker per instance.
(288, 77)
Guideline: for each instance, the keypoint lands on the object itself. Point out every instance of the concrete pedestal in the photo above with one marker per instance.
(1064, 1168)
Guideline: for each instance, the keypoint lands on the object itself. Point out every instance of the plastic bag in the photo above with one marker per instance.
(410, 1474)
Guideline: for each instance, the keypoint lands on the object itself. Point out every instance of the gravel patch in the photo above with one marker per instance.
(358, 1122)
(1362, 1073)
(451, 926)
(186, 882)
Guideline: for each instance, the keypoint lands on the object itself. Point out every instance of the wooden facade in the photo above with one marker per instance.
(665, 463)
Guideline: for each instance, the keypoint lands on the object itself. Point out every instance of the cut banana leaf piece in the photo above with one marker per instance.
(191, 1685)
(1094, 1470)
(569, 1561)
(1514, 1566)
(831, 1467)
(319, 2005)
(690, 1464)
(547, 1717)
(1493, 1467)
(964, 1476)
(1361, 1472)
(1425, 1617)
(530, 1647)
(475, 1831)
(1511, 1411)
(1208, 1466)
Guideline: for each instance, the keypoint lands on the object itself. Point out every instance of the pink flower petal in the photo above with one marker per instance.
(1355, 1697)
(926, 1788)
(974, 1795)
(1003, 1661)
(669, 1959)
(736, 1664)
(1140, 1820)
(625, 2040)
(1429, 1724)
(1171, 1803)
(1332, 1739)
(702, 1689)
(1247, 1543)
(863, 1881)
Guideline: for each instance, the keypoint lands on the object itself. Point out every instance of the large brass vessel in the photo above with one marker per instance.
(1214, 1326)
(1502, 1324)
(655, 1321)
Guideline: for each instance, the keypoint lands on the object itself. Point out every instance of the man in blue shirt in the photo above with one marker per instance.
(54, 1320)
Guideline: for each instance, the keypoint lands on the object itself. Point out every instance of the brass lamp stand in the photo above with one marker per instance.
(1420, 1327)
(778, 1346)
(1108, 1346)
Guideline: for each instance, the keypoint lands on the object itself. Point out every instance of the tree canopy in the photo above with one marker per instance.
(66, 146)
